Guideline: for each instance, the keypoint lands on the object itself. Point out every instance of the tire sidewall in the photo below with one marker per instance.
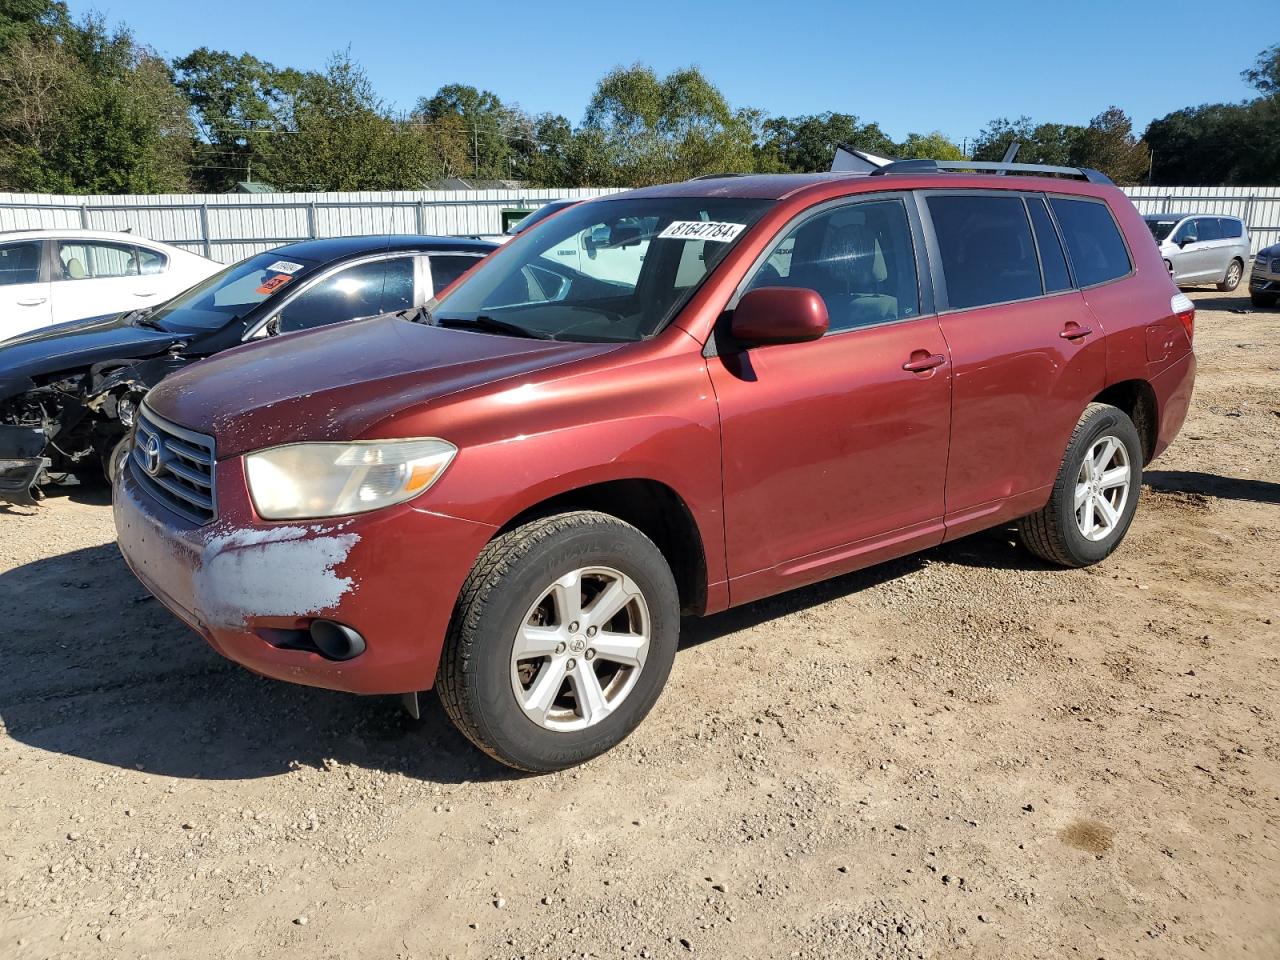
(607, 544)
(1105, 421)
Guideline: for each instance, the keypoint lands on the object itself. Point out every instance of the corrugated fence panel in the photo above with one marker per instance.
(228, 227)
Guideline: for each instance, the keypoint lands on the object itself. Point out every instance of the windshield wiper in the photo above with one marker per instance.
(484, 322)
(141, 318)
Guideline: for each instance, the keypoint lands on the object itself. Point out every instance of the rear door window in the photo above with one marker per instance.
(1094, 243)
(1052, 259)
(987, 252)
(1210, 228)
(95, 261)
(150, 262)
(446, 268)
(859, 258)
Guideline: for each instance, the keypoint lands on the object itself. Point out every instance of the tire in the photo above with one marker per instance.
(1262, 299)
(1056, 532)
(116, 459)
(1235, 270)
(532, 582)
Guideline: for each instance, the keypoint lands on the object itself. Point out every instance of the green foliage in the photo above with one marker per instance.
(928, 146)
(1264, 75)
(1049, 143)
(87, 110)
(807, 144)
(645, 129)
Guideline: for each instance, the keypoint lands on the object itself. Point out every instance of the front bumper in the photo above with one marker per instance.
(252, 587)
(1262, 281)
(21, 460)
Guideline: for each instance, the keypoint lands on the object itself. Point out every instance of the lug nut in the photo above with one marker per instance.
(591, 654)
(591, 631)
(559, 648)
(571, 664)
(573, 627)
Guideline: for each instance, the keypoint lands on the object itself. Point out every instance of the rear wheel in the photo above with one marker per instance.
(1095, 495)
(561, 641)
(1262, 299)
(1235, 270)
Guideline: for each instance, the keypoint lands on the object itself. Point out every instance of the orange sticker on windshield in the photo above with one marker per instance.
(274, 284)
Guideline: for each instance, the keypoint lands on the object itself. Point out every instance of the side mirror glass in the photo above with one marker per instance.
(779, 315)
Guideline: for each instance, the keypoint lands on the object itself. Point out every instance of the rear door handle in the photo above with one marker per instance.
(144, 293)
(922, 363)
(32, 303)
(1074, 332)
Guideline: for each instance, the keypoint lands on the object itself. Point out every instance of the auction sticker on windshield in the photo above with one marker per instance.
(274, 283)
(284, 266)
(702, 230)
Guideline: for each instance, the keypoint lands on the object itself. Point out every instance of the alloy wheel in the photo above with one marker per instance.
(580, 649)
(1102, 488)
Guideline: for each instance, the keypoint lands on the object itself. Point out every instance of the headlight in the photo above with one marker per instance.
(307, 480)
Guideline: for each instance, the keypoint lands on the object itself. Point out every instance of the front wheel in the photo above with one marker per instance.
(1095, 495)
(1232, 279)
(561, 641)
(1262, 299)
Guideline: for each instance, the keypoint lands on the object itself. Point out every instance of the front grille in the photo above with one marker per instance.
(174, 465)
(1275, 265)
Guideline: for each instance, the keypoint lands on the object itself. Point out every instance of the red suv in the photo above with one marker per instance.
(665, 402)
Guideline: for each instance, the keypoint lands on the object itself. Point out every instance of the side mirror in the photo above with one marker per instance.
(779, 315)
(1185, 240)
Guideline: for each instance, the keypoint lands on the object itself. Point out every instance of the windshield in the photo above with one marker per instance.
(231, 293)
(606, 271)
(1161, 228)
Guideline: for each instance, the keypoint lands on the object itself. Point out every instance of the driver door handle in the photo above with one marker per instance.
(919, 364)
(35, 302)
(1075, 332)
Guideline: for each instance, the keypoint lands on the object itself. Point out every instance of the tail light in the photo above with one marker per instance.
(1185, 311)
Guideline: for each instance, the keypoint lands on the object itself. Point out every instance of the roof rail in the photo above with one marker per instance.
(985, 166)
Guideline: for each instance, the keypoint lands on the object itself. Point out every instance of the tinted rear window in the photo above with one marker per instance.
(1052, 259)
(1231, 229)
(1210, 229)
(987, 252)
(1097, 250)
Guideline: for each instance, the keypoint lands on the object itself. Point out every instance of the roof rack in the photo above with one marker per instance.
(986, 166)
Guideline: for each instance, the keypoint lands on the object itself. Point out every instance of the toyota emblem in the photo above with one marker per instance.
(151, 455)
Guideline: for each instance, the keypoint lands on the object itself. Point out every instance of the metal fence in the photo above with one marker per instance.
(1258, 207)
(228, 227)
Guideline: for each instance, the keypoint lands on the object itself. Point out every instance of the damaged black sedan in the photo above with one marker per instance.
(68, 393)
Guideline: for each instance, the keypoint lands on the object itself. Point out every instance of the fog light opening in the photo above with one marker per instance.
(336, 641)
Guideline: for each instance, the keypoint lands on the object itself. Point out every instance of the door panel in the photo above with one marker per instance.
(24, 288)
(827, 444)
(1019, 388)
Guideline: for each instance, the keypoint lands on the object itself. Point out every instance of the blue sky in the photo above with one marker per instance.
(914, 66)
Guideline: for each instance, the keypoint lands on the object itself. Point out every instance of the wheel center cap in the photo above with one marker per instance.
(577, 644)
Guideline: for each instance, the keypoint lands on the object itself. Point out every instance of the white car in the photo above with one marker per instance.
(51, 276)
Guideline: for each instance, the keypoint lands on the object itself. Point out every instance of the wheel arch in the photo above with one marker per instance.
(1138, 400)
(652, 507)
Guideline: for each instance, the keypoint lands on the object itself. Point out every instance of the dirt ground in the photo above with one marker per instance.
(961, 754)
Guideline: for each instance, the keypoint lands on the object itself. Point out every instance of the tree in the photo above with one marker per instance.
(1108, 145)
(334, 133)
(499, 138)
(31, 20)
(928, 146)
(651, 129)
(235, 101)
(86, 109)
(1048, 143)
(1264, 75)
(807, 144)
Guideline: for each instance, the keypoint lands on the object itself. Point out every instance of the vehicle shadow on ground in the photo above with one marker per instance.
(95, 668)
(1212, 485)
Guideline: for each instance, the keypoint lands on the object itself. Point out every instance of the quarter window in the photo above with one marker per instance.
(986, 247)
(859, 258)
(150, 262)
(1231, 228)
(1052, 259)
(20, 263)
(1097, 250)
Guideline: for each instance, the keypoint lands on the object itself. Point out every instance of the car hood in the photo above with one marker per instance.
(1269, 252)
(77, 345)
(337, 382)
